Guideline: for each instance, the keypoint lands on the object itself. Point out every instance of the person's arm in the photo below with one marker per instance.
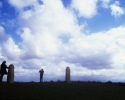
(7, 67)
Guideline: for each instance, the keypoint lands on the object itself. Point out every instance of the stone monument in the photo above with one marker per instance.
(10, 76)
(67, 75)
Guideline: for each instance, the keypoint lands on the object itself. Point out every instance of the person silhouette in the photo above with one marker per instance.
(3, 70)
(41, 75)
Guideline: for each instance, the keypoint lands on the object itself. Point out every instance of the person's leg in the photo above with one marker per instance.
(42, 78)
(1, 78)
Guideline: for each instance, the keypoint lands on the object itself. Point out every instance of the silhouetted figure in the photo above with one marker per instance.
(3, 70)
(41, 75)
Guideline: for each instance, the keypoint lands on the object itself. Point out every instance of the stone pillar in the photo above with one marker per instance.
(10, 76)
(67, 75)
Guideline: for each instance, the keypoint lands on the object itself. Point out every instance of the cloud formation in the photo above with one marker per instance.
(19, 4)
(105, 3)
(85, 8)
(51, 38)
(117, 11)
(10, 50)
(3, 36)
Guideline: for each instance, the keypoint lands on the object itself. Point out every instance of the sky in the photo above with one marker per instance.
(86, 35)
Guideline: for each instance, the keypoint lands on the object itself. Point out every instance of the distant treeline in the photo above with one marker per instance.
(60, 81)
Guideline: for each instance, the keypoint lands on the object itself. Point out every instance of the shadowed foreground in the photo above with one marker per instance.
(62, 91)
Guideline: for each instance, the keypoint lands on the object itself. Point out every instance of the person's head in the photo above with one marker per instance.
(4, 62)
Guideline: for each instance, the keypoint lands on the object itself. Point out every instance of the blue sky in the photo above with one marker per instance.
(86, 35)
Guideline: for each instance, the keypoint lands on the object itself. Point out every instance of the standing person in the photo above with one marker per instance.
(41, 75)
(3, 70)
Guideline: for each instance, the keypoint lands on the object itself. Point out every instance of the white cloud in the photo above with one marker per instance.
(9, 23)
(43, 31)
(10, 50)
(40, 45)
(105, 3)
(86, 8)
(50, 17)
(26, 14)
(44, 27)
(22, 3)
(3, 36)
(117, 11)
(104, 47)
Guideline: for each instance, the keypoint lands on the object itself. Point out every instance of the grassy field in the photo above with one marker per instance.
(62, 91)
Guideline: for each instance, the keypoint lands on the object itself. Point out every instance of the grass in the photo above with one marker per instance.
(62, 91)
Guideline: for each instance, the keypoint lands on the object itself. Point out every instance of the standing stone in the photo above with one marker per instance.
(10, 76)
(67, 75)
